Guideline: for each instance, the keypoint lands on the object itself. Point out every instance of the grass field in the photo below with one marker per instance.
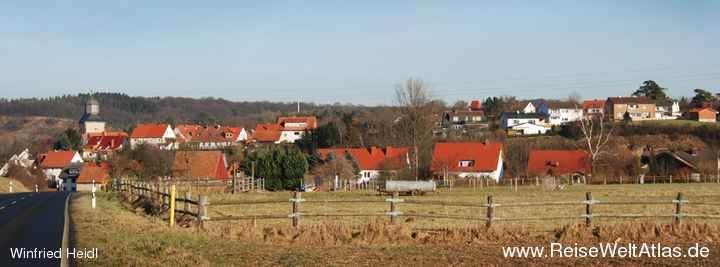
(125, 236)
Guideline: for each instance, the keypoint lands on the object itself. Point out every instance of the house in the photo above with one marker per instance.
(69, 175)
(524, 107)
(703, 115)
(463, 120)
(288, 129)
(104, 145)
(475, 106)
(91, 122)
(99, 175)
(54, 161)
(202, 164)
(370, 159)
(203, 137)
(157, 135)
(681, 162)
(525, 123)
(574, 164)
(561, 112)
(667, 109)
(635, 108)
(24, 159)
(468, 160)
(594, 108)
(86, 137)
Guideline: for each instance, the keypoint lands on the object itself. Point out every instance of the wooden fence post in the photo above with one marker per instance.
(202, 210)
(296, 209)
(187, 205)
(393, 208)
(678, 209)
(589, 210)
(234, 181)
(671, 178)
(490, 211)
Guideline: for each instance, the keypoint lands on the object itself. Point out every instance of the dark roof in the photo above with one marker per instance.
(664, 102)
(71, 165)
(631, 100)
(562, 105)
(92, 117)
(709, 157)
(92, 101)
(525, 115)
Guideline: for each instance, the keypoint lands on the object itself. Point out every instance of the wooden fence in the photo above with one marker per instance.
(237, 183)
(162, 193)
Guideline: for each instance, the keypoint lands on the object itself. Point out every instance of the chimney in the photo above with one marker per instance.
(373, 151)
(487, 143)
(112, 142)
(388, 151)
(103, 133)
(694, 151)
(217, 126)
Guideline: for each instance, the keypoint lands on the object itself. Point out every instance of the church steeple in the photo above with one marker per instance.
(91, 122)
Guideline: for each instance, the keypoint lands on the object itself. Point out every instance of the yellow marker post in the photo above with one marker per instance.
(172, 206)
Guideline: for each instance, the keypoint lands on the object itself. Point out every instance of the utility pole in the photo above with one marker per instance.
(298, 101)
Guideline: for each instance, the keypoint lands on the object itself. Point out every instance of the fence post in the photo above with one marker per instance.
(296, 209)
(678, 209)
(490, 211)
(172, 206)
(234, 181)
(589, 210)
(393, 208)
(671, 178)
(202, 210)
(187, 205)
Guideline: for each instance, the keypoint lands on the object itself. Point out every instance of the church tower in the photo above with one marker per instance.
(91, 122)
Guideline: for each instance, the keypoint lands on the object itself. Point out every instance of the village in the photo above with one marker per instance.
(470, 147)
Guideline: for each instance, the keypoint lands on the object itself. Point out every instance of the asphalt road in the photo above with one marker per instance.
(31, 221)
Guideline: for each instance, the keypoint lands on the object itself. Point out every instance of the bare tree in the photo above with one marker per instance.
(417, 116)
(596, 134)
(574, 97)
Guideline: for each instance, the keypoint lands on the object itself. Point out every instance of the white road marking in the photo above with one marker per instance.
(31, 194)
(14, 202)
(2, 207)
(22, 198)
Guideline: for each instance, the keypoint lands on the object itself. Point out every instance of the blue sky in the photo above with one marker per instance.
(357, 51)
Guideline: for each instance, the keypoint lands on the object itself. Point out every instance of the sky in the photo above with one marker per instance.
(357, 51)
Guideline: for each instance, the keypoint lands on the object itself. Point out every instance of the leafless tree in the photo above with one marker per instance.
(417, 116)
(596, 134)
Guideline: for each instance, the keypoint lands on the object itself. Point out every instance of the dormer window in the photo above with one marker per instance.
(228, 135)
(466, 163)
(198, 135)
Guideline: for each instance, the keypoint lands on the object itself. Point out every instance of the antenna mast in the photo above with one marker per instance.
(298, 101)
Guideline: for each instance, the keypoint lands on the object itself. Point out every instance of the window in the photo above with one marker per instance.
(554, 118)
(531, 121)
(284, 134)
(198, 135)
(516, 121)
(297, 133)
(646, 114)
(643, 107)
(73, 171)
(467, 163)
(564, 119)
(619, 114)
(632, 106)
(564, 111)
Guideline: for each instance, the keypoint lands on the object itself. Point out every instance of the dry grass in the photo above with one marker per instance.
(17, 186)
(130, 236)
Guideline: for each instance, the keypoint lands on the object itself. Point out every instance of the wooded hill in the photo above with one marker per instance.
(121, 110)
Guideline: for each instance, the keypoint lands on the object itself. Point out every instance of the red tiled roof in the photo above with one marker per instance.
(702, 109)
(102, 165)
(370, 158)
(57, 159)
(199, 133)
(475, 104)
(93, 173)
(202, 164)
(150, 130)
(267, 136)
(310, 123)
(108, 134)
(563, 162)
(105, 142)
(594, 104)
(449, 155)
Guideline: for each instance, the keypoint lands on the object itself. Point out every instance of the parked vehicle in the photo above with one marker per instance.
(414, 188)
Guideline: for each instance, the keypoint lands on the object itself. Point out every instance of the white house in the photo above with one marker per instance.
(217, 137)
(288, 129)
(468, 160)
(22, 160)
(524, 107)
(561, 112)
(508, 121)
(370, 159)
(667, 109)
(158, 135)
(54, 161)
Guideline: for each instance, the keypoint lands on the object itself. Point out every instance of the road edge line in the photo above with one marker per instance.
(64, 261)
